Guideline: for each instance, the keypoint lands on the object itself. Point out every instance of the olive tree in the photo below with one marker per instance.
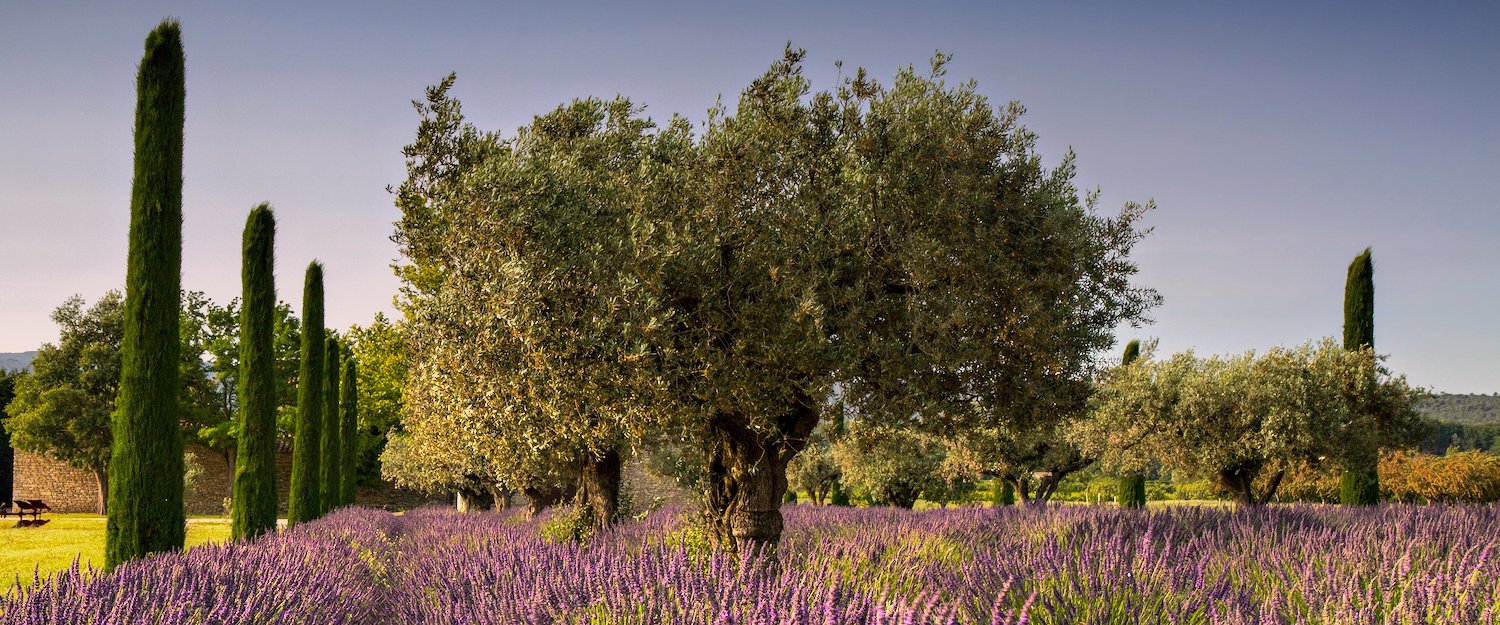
(597, 279)
(1243, 420)
(816, 471)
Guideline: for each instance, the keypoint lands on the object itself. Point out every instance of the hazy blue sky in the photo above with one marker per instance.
(1278, 140)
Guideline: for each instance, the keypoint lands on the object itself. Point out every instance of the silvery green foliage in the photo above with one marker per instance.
(1247, 417)
(597, 280)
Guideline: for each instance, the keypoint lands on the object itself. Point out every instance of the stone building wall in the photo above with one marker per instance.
(62, 487)
(66, 489)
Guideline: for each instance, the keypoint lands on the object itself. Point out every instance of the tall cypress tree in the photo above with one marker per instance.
(305, 503)
(145, 467)
(1132, 487)
(332, 454)
(1360, 482)
(7, 455)
(349, 430)
(254, 509)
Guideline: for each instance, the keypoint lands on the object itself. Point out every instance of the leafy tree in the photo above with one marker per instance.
(1233, 419)
(536, 357)
(62, 408)
(254, 507)
(331, 451)
(305, 502)
(1360, 483)
(922, 258)
(209, 374)
(895, 467)
(815, 471)
(1461, 476)
(145, 487)
(431, 464)
(1033, 457)
(380, 350)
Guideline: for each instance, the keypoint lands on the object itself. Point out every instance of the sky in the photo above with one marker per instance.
(1278, 140)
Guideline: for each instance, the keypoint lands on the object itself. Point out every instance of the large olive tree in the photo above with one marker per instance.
(596, 278)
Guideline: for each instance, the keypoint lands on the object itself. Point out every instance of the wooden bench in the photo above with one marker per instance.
(34, 507)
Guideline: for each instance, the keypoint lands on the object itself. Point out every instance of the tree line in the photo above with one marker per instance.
(135, 374)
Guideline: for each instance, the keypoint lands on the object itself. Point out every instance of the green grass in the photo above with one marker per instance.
(52, 547)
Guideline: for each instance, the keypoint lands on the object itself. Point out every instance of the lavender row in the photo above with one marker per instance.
(330, 573)
(1395, 564)
(1284, 564)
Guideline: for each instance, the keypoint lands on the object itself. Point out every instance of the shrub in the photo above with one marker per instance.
(1462, 476)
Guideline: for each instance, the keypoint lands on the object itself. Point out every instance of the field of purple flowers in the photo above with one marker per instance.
(1071, 564)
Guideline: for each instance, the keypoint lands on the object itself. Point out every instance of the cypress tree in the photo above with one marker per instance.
(254, 510)
(350, 430)
(1360, 483)
(1132, 487)
(305, 502)
(332, 454)
(7, 455)
(1003, 494)
(145, 512)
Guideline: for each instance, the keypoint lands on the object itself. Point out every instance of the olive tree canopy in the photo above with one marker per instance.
(597, 278)
(1243, 420)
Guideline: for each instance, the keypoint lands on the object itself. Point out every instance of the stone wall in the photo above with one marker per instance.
(66, 489)
(643, 487)
(62, 487)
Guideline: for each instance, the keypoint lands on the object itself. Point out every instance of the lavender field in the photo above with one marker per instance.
(1305, 564)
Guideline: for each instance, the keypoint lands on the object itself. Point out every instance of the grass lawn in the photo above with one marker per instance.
(52, 547)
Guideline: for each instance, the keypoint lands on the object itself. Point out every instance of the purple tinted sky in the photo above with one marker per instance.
(1277, 141)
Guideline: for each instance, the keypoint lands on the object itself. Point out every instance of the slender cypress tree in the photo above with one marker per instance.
(1132, 488)
(145, 468)
(254, 509)
(1360, 483)
(1132, 352)
(1003, 494)
(305, 502)
(7, 455)
(350, 430)
(332, 454)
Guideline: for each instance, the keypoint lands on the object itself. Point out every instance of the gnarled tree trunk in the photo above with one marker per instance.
(538, 497)
(905, 498)
(1240, 482)
(747, 476)
(1022, 488)
(599, 478)
(474, 500)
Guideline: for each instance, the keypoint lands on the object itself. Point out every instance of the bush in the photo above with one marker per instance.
(566, 524)
(1461, 476)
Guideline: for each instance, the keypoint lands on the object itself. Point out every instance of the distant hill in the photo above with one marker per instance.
(1463, 409)
(16, 360)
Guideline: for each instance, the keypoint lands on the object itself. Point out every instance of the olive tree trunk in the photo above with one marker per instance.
(599, 477)
(747, 476)
(1241, 486)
